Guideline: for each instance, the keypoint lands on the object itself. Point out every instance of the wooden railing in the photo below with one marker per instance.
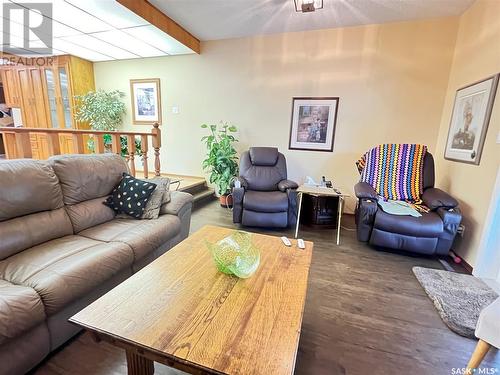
(18, 143)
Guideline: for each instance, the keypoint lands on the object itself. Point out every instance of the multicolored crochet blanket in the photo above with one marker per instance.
(395, 171)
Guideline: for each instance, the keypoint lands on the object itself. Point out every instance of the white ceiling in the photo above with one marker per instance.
(222, 19)
(99, 30)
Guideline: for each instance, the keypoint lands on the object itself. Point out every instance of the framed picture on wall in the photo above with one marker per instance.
(313, 123)
(469, 121)
(146, 101)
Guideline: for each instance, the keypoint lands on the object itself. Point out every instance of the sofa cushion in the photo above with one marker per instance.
(88, 214)
(427, 225)
(143, 236)
(20, 309)
(65, 269)
(28, 186)
(85, 177)
(265, 201)
(160, 196)
(30, 230)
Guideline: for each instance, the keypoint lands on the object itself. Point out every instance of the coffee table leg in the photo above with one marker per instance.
(298, 215)
(139, 365)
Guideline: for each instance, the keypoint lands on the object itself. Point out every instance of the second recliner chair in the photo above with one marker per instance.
(266, 197)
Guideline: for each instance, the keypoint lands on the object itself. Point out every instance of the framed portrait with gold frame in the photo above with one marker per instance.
(146, 101)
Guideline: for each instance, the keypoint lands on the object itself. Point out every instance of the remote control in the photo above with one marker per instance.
(286, 241)
(301, 244)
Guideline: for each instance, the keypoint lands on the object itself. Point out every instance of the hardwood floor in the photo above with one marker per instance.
(365, 314)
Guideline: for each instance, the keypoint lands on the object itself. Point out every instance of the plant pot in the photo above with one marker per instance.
(226, 201)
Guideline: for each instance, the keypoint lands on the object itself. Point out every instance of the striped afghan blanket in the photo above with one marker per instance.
(395, 171)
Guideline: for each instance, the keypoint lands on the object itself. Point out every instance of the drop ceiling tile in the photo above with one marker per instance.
(111, 12)
(100, 46)
(69, 16)
(80, 51)
(154, 36)
(126, 41)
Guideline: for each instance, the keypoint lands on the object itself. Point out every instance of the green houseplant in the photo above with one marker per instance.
(103, 111)
(222, 160)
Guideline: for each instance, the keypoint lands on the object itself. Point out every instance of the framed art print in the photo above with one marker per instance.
(146, 101)
(469, 121)
(313, 123)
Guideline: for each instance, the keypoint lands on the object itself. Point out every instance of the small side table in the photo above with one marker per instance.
(321, 191)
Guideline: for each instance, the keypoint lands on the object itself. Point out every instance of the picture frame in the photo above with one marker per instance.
(313, 123)
(146, 101)
(469, 121)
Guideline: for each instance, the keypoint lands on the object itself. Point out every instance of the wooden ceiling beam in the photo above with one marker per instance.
(154, 16)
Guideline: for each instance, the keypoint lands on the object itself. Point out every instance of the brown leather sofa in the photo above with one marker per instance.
(61, 248)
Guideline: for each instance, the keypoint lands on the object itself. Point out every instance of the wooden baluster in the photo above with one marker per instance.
(23, 145)
(144, 155)
(54, 144)
(156, 132)
(98, 143)
(116, 145)
(9, 143)
(78, 146)
(131, 153)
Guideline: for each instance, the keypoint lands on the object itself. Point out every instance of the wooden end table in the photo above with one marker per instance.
(181, 311)
(318, 192)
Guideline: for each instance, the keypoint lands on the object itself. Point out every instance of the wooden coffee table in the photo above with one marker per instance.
(180, 311)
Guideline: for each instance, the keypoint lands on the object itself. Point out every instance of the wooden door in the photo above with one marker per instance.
(33, 108)
(27, 97)
(39, 100)
(11, 87)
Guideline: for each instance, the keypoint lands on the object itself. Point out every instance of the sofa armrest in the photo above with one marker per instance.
(179, 200)
(243, 182)
(364, 190)
(284, 185)
(238, 194)
(365, 213)
(452, 217)
(435, 198)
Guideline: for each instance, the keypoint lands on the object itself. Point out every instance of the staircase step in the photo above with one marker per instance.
(195, 188)
(203, 197)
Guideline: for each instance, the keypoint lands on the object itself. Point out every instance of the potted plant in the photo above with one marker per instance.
(222, 160)
(103, 111)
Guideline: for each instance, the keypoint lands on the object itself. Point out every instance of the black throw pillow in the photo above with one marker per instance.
(130, 196)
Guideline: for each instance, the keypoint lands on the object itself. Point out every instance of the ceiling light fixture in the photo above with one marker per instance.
(306, 6)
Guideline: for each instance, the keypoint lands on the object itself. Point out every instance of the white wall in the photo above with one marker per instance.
(391, 80)
(476, 57)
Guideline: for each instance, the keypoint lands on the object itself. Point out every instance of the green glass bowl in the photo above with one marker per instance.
(236, 255)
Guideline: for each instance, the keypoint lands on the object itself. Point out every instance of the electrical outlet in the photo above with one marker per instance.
(175, 110)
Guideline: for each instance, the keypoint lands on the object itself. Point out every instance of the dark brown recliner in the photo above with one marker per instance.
(432, 233)
(266, 198)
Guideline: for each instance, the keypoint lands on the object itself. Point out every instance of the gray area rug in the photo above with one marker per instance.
(458, 298)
